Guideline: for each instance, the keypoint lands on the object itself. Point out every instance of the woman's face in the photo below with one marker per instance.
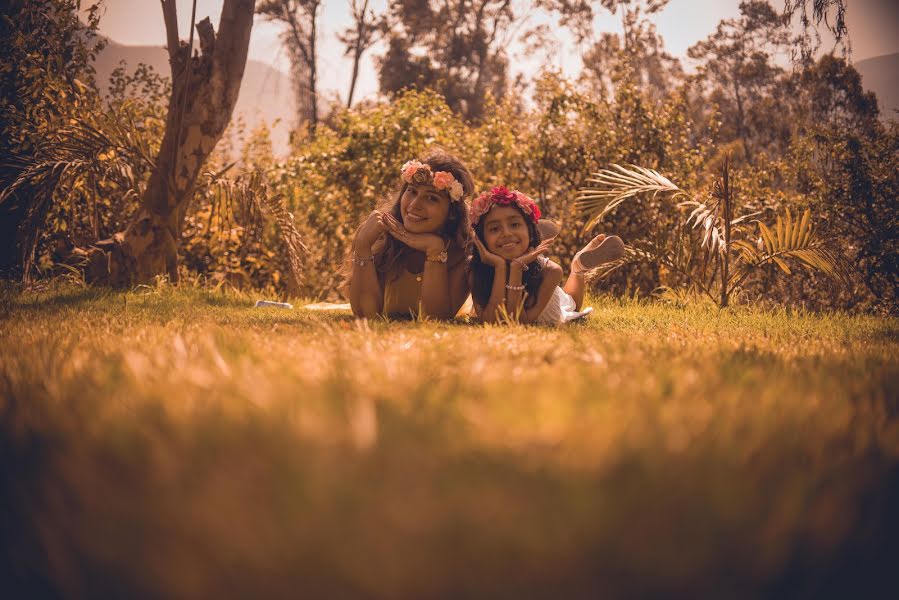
(423, 208)
(505, 232)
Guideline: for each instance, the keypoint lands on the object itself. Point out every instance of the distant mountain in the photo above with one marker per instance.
(881, 76)
(264, 92)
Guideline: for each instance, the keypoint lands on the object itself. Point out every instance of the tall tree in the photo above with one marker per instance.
(365, 32)
(737, 69)
(204, 92)
(300, 36)
(637, 55)
(578, 15)
(831, 12)
(456, 47)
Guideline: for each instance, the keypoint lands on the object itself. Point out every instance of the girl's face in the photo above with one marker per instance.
(423, 208)
(505, 232)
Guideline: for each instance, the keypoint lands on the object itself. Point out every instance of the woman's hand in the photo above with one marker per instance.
(487, 257)
(532, 253)
(429, 243)
(369, 232)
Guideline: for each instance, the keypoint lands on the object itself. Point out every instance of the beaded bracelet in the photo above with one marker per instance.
(360, 262)
(514, 288)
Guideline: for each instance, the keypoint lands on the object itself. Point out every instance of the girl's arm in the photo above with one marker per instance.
(552, 276)
(498, 291)
(365, 290)
(490, 313)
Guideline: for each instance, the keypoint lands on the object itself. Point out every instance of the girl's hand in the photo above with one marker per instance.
(532, 253)
(429, 243)
(487, 257)
(369, 232)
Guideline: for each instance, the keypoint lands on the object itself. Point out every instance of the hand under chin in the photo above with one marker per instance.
(421, 227)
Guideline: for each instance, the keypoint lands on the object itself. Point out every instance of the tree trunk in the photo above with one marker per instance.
(204, 92)
(357, 56)
(741, 122)
(313, 70)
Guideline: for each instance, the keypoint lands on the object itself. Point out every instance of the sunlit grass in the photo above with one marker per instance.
(651, 449)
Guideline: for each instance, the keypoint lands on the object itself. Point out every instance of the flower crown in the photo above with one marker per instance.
(420, 174)
(503, 197)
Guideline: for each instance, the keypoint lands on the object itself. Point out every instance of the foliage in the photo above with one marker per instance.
(46, 82)
(700, 248)
(831, 12)
(736, 67)
(456, 47)
(814, 137)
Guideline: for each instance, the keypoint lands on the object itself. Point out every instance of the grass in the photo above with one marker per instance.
(180, 443)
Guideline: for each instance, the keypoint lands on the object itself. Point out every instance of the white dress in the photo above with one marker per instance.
(561, 308)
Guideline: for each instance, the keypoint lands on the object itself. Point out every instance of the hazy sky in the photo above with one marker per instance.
(873, 27)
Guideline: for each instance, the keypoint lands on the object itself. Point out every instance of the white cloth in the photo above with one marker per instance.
(561, 308)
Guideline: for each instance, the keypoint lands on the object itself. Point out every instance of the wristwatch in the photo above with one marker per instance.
(438, 257)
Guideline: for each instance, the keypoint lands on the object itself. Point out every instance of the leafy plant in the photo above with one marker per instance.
(247, 198)
(710, 249)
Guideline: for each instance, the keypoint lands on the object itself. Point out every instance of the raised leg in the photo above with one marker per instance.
(575, 286)
(601, 249)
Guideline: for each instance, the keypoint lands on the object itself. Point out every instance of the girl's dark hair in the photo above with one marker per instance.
(482, 280)
(456, 230)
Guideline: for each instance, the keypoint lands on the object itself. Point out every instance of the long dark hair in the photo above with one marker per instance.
(456, 230)
(482, 279)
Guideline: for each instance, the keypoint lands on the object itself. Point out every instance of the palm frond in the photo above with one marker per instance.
(791, 239)
(707, 215)
(614, 186)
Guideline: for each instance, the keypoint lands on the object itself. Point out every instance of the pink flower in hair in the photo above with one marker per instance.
(527, 205)
(479, 206)
(442, 180)
(409, 170)
(502, 196)
(456, 190)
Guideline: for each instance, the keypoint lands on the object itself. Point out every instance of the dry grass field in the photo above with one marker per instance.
(176, 443)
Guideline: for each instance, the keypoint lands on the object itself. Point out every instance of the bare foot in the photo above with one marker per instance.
(548, 229)
(595, 242)
(597, 252)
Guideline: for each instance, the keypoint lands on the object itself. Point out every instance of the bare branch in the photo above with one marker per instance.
(207, 37)
(170, 16)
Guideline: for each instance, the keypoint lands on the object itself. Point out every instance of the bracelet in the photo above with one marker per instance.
(360, 262)
(439, 256)
(515, 288)
(523, 266)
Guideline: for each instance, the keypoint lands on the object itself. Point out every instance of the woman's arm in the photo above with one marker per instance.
(365, 290)
(435, 288)
(437, 280)
(459, 281)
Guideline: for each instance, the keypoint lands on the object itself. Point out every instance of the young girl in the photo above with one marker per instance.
(507, 270)
(408, 257)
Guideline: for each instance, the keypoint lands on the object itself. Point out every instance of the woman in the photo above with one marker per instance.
(408, 257)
